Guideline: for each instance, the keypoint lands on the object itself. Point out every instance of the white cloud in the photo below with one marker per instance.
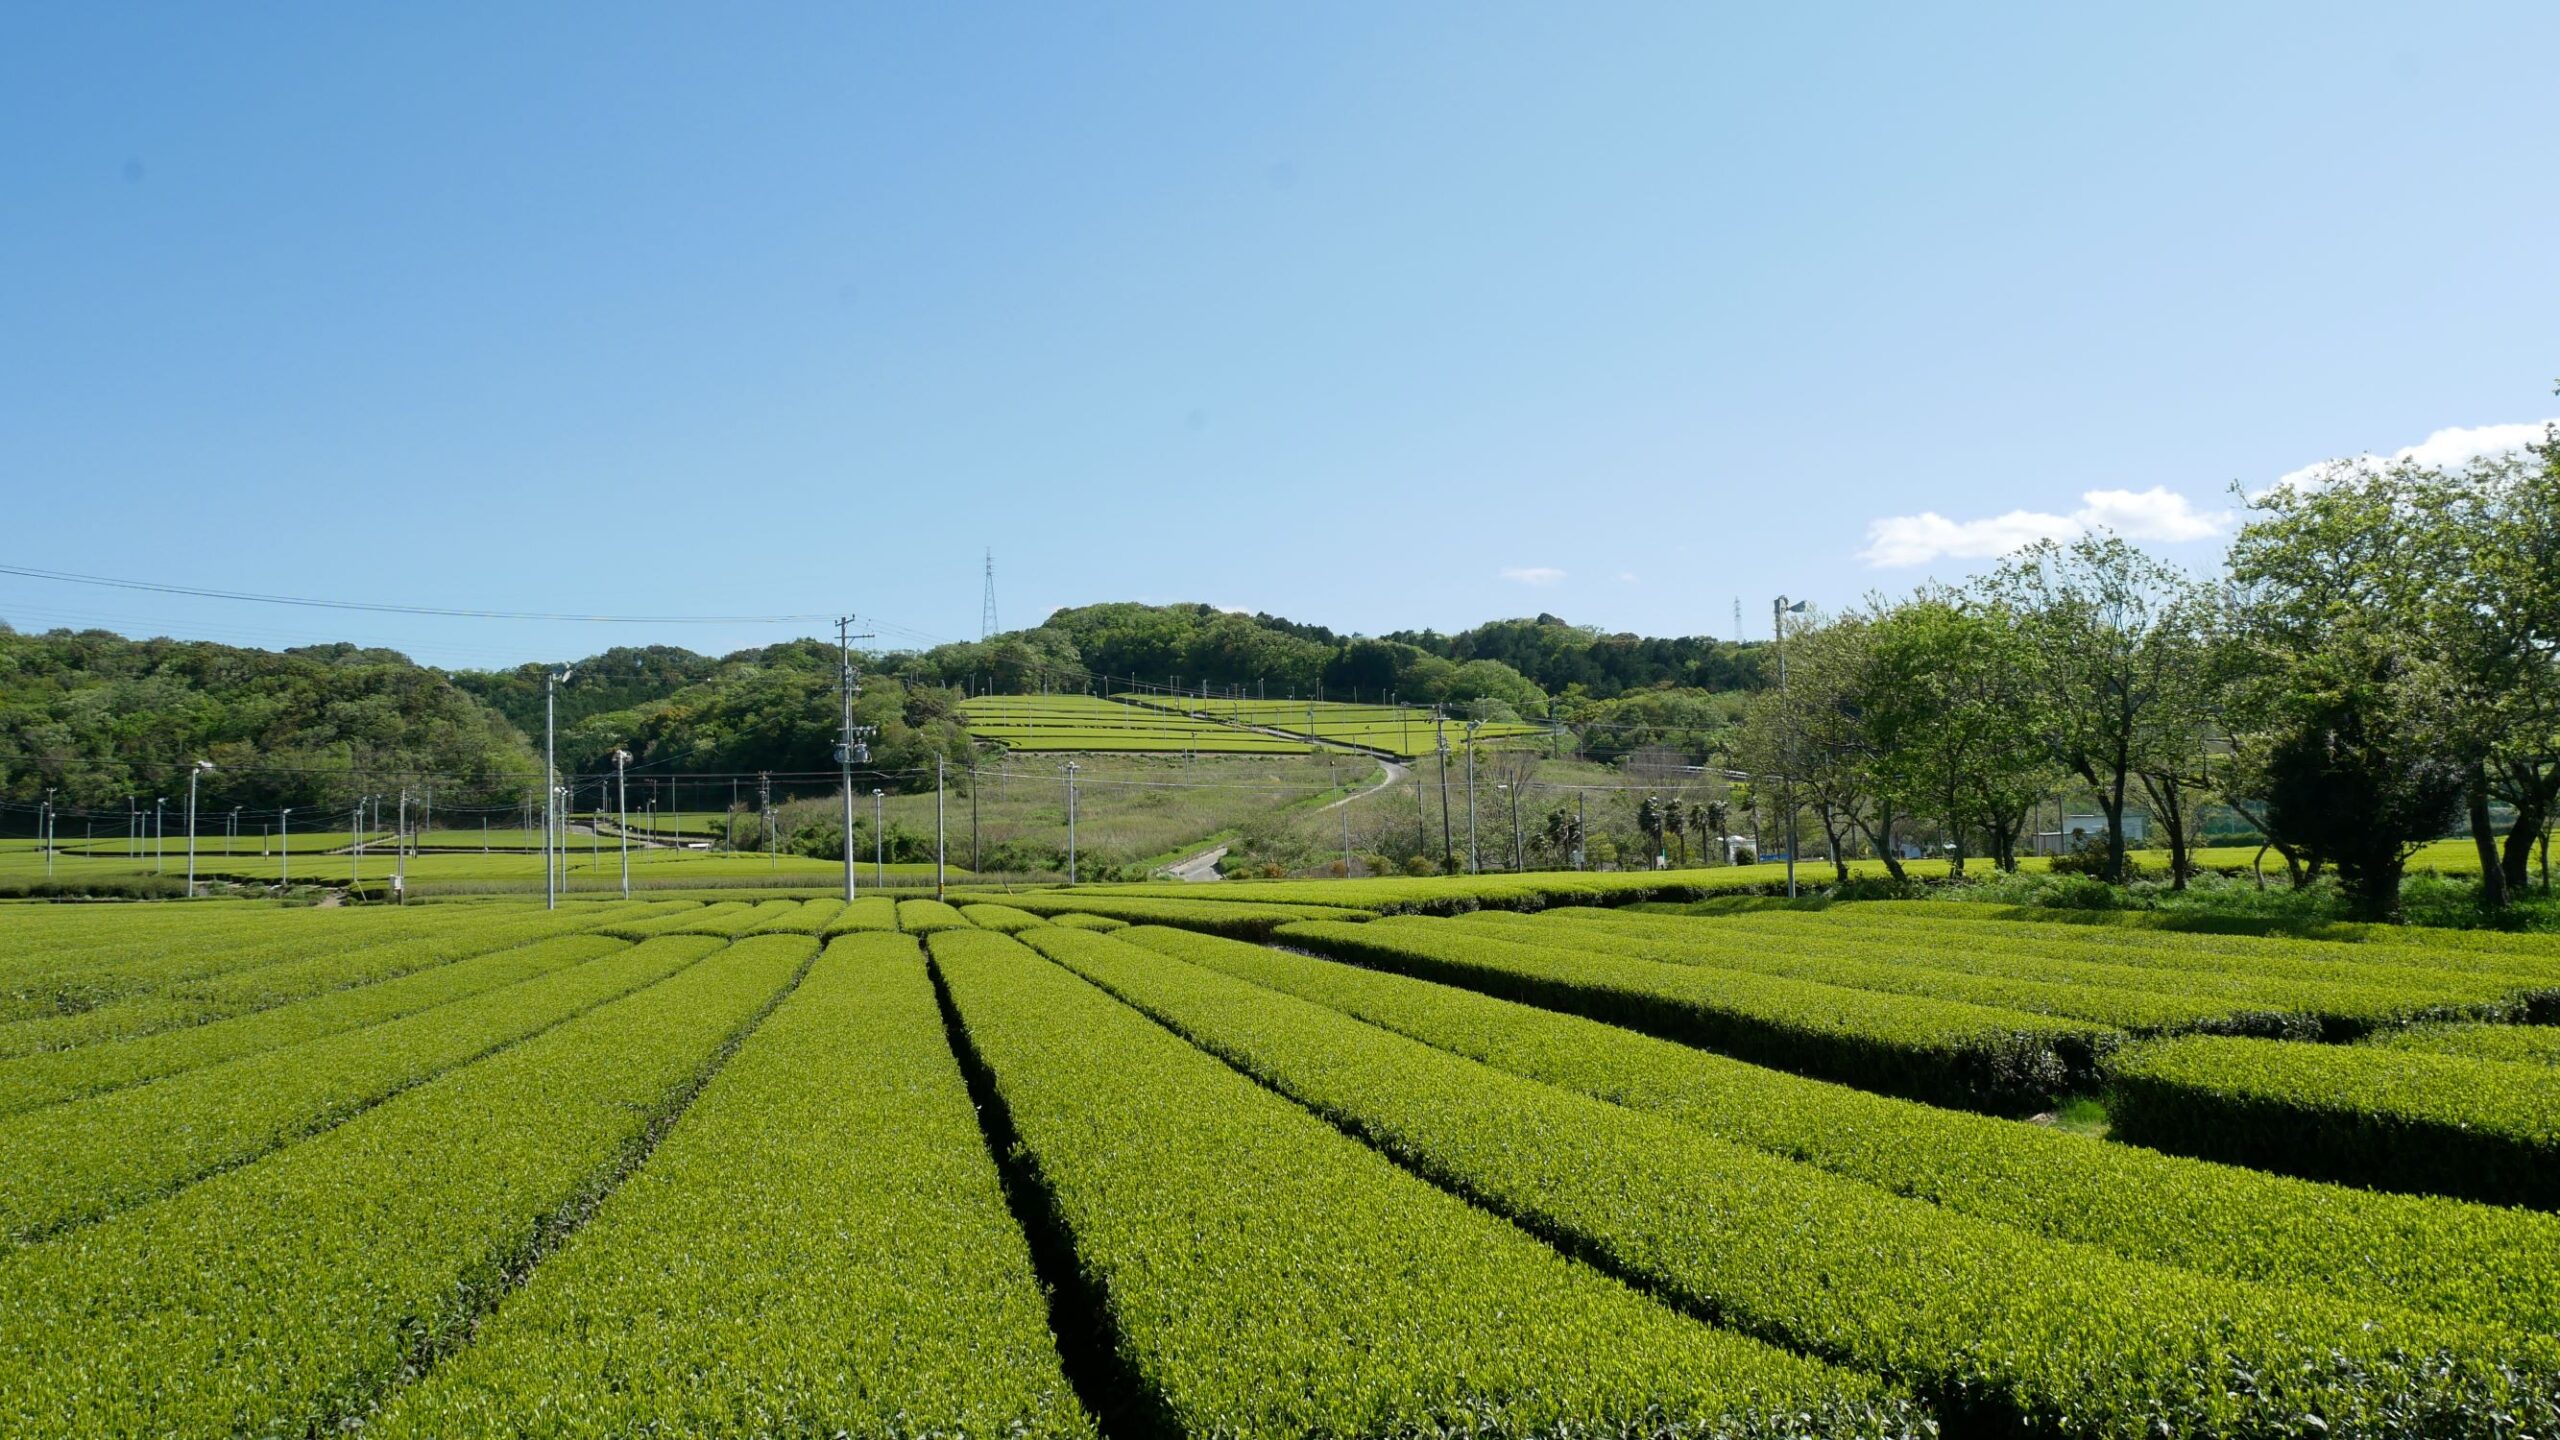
(2154, 514)
(2452, 446)
(1626, 577)
(1532, 574)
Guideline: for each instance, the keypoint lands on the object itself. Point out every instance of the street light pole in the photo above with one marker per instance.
(193, 775)
(551, 785)
(622, 814)
(1071, 822)
(1779, 610)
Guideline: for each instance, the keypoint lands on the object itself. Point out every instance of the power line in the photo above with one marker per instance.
(306, 602)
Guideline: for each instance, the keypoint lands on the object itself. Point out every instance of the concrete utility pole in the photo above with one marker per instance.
(1475, 860)
(159, 834)
(193, 775)
(880, 841)
(1448, 850)
(937, 828)
(1581, 833)
(44, 828)
(622, 813)
(400, 854)
(284, 849)
(551, 846)
(764, 802)
(1071, 822)
(1779, 610)
(854, 744)
(355, 852)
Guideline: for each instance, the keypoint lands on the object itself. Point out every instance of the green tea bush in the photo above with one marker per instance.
(286, 1297)
(847, 1263)
(2445, 1256)
(1254, 1273)
(2361, 1114)
(1935, 1050)
(2003, 1331)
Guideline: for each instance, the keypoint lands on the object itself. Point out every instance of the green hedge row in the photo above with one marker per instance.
(923, 917)
(2003, 1330)
(1708, 944)
(1254, 1273)
(1935, 1050)
(1457, 894)
(2445, 1256)
(111, 952)
(691, 920)
(805, 917)
(59, 1075)
(72, 1164)
(1082, 920)
(1217, 917)
(2514, 1044)
(285, 1297)
(298, 970)
(2361, 1114)
(2342, 1003)
(867, 912)
(2457, 962)
(817, 1248)
(1002, 919)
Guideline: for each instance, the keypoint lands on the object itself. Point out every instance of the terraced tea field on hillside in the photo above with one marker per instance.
(1237, 1161)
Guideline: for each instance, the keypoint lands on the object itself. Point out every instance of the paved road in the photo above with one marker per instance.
(1202, 868)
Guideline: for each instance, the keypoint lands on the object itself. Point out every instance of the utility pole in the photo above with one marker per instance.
(1779, 610)
(193, 775)
(764, 802)
(159, 834)
(880, 842)
(1448, 851)
(973, 817)
(400, 854)
(551, 846)
(854, 744)
(355, 852)
(937, 828)
(1345, 807)
(1581, 834)
(284, 853)
(622, 813)
(1475, 859)
(44, 829)
(1071, 822)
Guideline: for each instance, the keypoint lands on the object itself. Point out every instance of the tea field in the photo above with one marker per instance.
(1481, 1157)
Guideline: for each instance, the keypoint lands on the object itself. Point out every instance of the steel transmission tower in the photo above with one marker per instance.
(987, 611)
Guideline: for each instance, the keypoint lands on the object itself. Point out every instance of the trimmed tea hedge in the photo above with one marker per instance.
(1244, 922)
(59, 1075)
(2514, 1044)
(2001, 1329)
(285, 1297)
(868, 912)
(1935, 1050)
(1255, 1273)
(2361, 1114)
(1082, 920)
(923, 917)
(818, 1248)
(71, 1164)
(1705, 944)
(2446, 1256)
(1002, 919)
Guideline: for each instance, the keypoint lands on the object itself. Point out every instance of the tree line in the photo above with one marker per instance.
(2377, 664)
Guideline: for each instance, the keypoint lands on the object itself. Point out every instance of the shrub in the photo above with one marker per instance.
(2365, 1115)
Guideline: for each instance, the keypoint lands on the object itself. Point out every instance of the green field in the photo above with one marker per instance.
(1084, 722)
(1403, 731)
(1235, 1161)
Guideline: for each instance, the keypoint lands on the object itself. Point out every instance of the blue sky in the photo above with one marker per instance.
(1374, 316)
